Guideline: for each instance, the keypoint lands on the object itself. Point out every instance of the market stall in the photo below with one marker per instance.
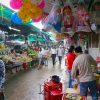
(16, 60)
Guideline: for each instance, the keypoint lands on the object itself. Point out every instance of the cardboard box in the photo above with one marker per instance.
(73, 91)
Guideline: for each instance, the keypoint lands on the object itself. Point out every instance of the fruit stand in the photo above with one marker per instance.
(18, 61)
(33, 53)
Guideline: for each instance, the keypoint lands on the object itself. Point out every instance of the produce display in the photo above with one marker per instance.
(4, 49)
(33, 52)
(20, 58)
(97, 78)
(7, 56)
(98, 59)
(24, 58)
(72, 97)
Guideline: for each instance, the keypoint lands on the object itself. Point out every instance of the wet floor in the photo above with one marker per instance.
(25, 85)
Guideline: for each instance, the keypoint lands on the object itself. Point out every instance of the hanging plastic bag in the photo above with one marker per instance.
(54, 18)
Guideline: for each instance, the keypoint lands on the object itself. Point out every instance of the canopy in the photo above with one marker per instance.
(31, 38)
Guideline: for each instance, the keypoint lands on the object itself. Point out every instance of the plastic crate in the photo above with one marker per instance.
(56, 95)
(50, 86)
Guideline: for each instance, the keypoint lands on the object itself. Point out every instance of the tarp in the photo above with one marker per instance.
(41, 40)
(31, 38)
(6, 14)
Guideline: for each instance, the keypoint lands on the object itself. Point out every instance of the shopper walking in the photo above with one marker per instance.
(2, 79)
(53, 55)
(84, 63)
(69, 60)
(60, 53)
(46, 56)
(40, 55)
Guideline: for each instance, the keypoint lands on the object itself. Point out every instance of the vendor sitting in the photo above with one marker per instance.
(24, 52)
(25, 60)
(13, 53)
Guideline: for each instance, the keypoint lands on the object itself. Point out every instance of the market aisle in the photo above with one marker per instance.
(25, 84)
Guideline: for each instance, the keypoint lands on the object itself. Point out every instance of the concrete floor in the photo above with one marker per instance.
(25, 85)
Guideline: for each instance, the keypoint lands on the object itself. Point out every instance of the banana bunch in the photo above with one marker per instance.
(34, 52)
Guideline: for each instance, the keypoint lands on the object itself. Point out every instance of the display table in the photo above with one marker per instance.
(72, 90)
(72, 94)
(10, 65)
(17, 62)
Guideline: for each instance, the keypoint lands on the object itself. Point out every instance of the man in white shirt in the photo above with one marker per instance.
(84, 63)
(53, 54)
(60, 53)
(40, 53)
(46, 55)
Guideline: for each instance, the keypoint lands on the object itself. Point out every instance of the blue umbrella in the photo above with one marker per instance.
(15, 19)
